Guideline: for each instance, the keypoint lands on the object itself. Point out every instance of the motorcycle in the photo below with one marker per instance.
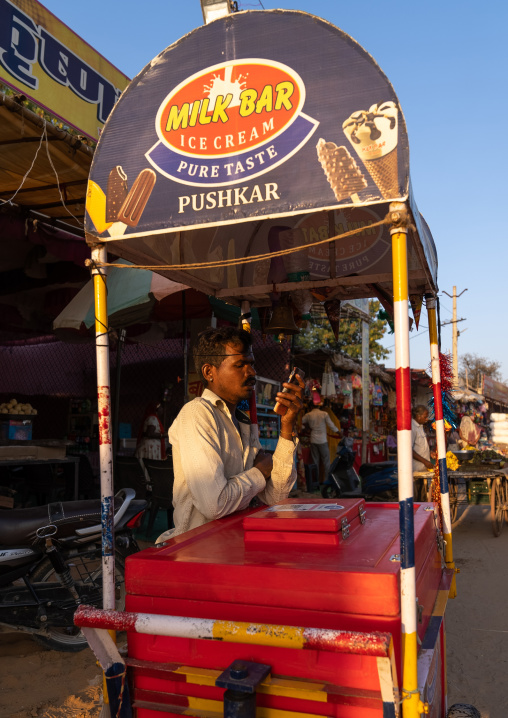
(373, 482)
(51, 561)
(342, 480)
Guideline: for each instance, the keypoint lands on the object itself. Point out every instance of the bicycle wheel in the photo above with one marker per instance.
(497, 505)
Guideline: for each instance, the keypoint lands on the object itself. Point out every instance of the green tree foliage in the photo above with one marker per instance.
(320, 334)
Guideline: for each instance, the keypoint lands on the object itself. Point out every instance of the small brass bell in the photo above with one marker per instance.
(282, 321)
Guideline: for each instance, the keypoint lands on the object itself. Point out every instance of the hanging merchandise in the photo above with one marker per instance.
(316, 392)
(357, 381)
(392, 399)
(328, 382)
(347, 391)
(449, 406)
(377, 395)
(332, 309)
(416, 302)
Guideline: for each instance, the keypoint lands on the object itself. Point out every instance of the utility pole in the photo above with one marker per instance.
(454, 321)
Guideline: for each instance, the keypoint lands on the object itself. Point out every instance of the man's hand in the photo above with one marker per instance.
(292, 399)
(423, 460)
(264, 463)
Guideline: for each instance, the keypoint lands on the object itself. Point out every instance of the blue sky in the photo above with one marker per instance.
(448, 62)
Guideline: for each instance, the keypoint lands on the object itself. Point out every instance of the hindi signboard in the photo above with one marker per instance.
(42, 59)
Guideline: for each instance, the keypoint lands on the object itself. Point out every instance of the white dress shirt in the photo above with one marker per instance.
(317, 420)
(420, 445)
(213, 465)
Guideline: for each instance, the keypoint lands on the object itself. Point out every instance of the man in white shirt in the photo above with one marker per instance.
(317, 420)
(421, 451)
(219, 466)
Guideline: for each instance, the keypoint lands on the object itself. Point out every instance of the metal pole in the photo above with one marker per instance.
(365, 389)
(398, 231)
(99, 255)
(116, 402)
(454, 339)
(441, 439)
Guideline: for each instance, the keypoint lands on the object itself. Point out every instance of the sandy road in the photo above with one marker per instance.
(477, 620)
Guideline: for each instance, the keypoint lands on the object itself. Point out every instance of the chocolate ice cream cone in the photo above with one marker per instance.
(383, 171)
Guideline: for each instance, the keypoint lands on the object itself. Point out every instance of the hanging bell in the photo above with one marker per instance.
(282, 321)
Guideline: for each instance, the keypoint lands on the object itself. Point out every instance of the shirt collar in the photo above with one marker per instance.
(210, 396)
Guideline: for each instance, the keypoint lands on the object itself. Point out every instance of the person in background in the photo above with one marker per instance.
(218, 462)
(317, 421)
(421, 450)
(151, 441)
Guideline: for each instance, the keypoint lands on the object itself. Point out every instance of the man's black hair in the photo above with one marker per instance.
(210, 347)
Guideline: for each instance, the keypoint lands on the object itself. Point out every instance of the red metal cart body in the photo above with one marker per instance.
(321, 564)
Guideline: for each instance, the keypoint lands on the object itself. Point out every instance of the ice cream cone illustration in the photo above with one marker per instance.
(374, 135)
(343, 174)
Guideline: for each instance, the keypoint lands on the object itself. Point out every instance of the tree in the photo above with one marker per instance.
(320, 335)
(473, 366)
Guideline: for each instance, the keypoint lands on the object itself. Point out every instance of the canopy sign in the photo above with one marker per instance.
(257, 114)
(44, 60)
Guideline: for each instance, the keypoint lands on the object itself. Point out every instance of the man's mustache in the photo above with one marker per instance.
(250, 382)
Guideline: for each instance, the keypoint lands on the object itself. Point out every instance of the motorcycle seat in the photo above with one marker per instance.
(21, 525)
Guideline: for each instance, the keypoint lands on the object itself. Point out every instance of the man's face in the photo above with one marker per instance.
(422, 418)
(235, 378)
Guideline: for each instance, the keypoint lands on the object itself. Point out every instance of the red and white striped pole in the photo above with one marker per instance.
(440, 438)
(398, 231)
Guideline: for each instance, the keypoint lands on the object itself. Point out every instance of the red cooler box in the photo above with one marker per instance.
(331, 564)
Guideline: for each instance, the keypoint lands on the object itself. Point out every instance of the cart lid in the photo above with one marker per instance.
(262, 131)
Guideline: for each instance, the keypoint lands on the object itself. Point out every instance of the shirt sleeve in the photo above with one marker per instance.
(330, 424)
(213, 494)
(283, 474)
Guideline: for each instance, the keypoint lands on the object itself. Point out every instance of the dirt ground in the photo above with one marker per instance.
(36, 683)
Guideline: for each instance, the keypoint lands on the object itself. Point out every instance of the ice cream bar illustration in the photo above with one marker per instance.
(139, 194)
(374, 135)
(341, 170)
(116, 193)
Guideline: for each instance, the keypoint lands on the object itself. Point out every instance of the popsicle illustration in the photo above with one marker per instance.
(374, 136)
(134, 204)
(116, 192)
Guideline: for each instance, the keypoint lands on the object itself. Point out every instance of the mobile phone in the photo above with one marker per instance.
(280, 409)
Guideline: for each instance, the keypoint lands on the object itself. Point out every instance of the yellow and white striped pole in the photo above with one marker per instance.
(410, 695)
(440, 438)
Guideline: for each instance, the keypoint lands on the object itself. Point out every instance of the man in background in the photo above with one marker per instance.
(421, 450)
(317, 421)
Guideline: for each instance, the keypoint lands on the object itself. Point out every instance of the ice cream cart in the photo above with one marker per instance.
(264, 159)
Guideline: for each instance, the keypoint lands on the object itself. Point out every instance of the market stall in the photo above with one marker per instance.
(236, 164)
